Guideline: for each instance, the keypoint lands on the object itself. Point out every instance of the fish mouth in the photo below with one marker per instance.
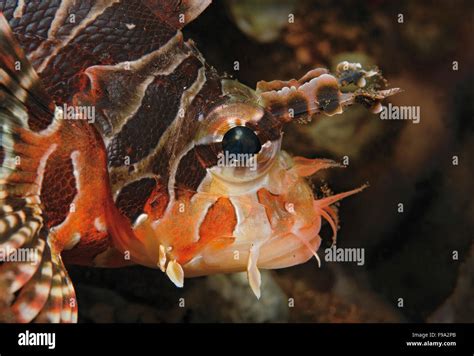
(278, 223)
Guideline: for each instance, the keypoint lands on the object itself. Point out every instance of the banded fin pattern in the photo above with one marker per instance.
(319, 92)
(32, 275)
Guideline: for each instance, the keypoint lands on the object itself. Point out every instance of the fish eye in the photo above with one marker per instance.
(238, 142)
(241, 140)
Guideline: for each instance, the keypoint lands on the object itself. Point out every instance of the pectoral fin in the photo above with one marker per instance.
(33, 280)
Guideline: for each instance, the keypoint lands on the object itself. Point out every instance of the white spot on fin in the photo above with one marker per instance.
(253, 274)
(175, 272)
(140, 220)
(99, 225)
(162, 258)
(73, 241)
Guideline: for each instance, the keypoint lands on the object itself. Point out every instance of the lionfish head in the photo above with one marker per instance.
(254, 207)
(269, 217)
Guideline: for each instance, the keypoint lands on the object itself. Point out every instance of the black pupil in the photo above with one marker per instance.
(241, 139)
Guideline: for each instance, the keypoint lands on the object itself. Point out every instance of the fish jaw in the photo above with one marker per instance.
(277, 221)
(274, 222)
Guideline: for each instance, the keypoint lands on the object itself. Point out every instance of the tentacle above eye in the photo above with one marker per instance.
(319, 92)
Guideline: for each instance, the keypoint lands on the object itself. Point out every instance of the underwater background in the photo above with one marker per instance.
(418, 256)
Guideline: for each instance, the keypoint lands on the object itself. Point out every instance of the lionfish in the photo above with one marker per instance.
(112, 129)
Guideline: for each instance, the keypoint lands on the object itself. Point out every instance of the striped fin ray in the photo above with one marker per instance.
(61, 305)
(68, 300)
(51, 313)
(33, 295)
(33, 280)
